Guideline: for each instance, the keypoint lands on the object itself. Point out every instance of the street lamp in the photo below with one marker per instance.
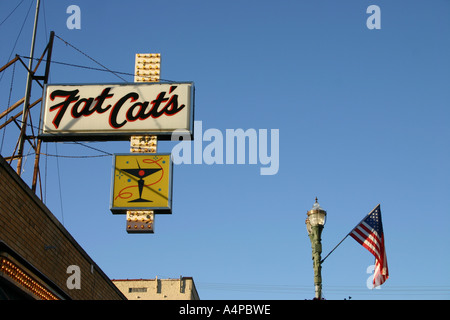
(314, 224)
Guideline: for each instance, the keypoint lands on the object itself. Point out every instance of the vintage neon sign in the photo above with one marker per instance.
(115, 111)
(142, 182)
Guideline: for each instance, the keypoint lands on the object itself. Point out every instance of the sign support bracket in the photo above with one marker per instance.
(147, 69)
(141, 221)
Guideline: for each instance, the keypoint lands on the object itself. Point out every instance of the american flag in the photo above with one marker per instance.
(369, 233)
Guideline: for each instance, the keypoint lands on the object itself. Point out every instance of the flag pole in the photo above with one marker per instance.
(335, 247)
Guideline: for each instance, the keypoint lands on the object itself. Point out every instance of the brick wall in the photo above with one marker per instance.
(32, 231)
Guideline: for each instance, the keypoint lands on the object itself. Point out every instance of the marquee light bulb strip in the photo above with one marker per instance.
(147, 67)
(14, 272)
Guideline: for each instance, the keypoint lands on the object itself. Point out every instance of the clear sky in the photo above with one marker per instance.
(363, 118)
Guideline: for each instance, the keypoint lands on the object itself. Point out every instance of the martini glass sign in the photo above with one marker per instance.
(141, 181)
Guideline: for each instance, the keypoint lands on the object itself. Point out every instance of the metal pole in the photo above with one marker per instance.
(316, 245)
(39, 141)
(27, 92)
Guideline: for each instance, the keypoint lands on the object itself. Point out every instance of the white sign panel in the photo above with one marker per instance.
(116, 111)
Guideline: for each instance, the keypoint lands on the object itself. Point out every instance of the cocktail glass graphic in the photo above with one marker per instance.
(141, 174)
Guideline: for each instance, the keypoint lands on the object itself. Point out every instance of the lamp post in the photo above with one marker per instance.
(314, 225)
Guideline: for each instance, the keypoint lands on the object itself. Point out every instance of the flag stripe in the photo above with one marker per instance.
(366, 243)
(367, 240)
(368, 235)
(371, 239)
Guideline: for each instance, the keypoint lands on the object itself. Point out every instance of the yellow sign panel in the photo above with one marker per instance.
(142, 182)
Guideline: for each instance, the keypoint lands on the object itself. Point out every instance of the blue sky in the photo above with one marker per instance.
(362, 117)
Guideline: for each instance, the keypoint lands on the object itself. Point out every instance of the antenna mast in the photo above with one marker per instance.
(27, 93)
